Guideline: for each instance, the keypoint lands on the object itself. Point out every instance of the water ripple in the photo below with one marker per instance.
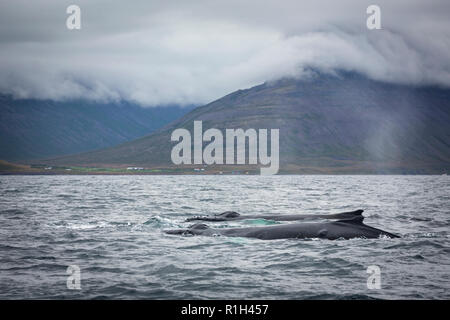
(112, 228)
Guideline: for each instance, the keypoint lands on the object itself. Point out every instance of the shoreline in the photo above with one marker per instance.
(40, 173)
(8, 168)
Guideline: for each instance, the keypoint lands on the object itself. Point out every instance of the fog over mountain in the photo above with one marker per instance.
(192, 52)
(328, 124)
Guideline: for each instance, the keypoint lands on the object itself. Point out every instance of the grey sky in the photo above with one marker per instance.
(164, 52)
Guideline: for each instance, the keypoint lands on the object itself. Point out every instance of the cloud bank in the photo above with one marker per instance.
(192, 52)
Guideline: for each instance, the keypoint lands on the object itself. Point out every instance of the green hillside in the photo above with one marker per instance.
(33, 129)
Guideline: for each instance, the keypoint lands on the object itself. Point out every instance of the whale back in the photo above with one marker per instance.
(356, 223)
(199, 226)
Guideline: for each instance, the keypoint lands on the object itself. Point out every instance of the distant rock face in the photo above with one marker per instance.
(345, 123)
(32, 129)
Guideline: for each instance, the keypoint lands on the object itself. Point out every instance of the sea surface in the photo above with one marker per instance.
(111, 228)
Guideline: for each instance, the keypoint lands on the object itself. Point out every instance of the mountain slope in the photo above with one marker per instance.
(325, 122)
(31, 129)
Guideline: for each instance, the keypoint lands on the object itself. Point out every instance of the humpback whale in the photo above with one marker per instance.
(231, 216)
(341, 229)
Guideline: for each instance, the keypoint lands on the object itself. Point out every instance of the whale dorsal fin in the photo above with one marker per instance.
(352, 213)
(228, 214)
(354, 220)
(347, 215)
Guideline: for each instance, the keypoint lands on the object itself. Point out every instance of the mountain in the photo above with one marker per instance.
(342, 123)
(32, 129)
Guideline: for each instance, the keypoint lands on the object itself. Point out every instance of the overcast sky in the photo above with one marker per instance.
(195, 51)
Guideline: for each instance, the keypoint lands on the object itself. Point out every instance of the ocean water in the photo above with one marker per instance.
(111, 227)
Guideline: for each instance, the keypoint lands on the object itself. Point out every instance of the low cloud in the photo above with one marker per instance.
(193, 52)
